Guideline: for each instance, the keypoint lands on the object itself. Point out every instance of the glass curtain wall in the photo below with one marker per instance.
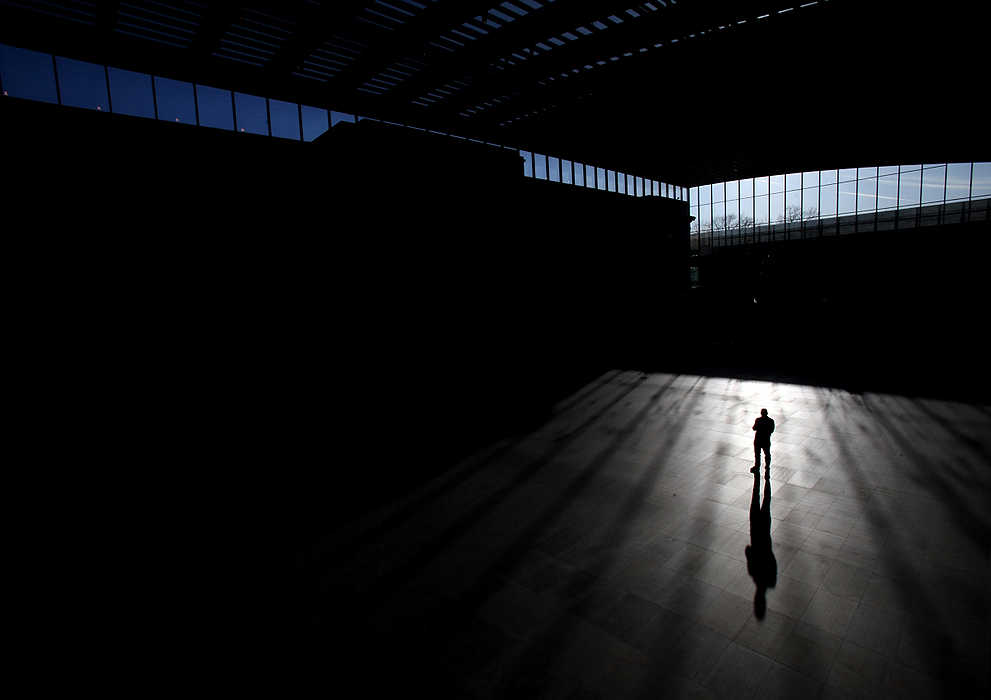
(39, 76)
(832, 202)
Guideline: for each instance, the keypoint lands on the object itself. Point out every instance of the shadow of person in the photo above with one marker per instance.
(761, 564)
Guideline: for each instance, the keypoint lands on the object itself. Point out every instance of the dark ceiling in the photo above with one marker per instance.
(688, 92)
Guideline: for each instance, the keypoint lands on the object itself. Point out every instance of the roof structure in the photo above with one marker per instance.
(688, 91)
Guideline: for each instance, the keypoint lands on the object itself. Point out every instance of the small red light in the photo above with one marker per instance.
(242, 128)
(5, 93)
(99, 108)
(177, 118)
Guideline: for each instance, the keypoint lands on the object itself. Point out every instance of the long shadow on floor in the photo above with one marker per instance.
(761, 564)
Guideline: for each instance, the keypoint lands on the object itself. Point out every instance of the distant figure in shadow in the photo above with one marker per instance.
(763, 426)
(761, 564)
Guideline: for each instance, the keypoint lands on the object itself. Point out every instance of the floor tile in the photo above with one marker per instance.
(830, 612)
(613, 566)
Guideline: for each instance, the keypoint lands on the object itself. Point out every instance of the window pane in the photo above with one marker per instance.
(718, 192)
(848, 195)
(82, 84)
(553, 169)
(285, 119)
(887, 192)
(216, 108)
(760, 209)
(600, 178)
(640, 191)
(747, 188)
(760, 185)
(315, 122)
(693, 197)
(777, 183)
(621, 184)
(957, 181)
(705, 218)
(793, 205)
(27, 74)
(131, 93)
(867, 195)
(656, 188)
(777, 207)
(589, 176)
(252, 117)
(910, 186)
(794, 181)
(932, 184)
(732, 214)
(866, 172)
(579, 174)
(629, 183)
(705, 194)
(810, 202)
(848, 175)
(540, 166)
(732, 190)
(527, 163)
(566, 171)
(887, 170)
(694, 211)
(827, 200)
(611, 180)
(982, 181)
(827, 177)
(810, 179)
(175, 101)
(338, 117)
(718, 216)
(747, 212)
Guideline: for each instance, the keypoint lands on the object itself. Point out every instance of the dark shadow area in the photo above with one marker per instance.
(263, 340)
(761, 564)
(887, 311)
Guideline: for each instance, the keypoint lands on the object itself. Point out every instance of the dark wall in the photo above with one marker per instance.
(900, 311)
(317, 323)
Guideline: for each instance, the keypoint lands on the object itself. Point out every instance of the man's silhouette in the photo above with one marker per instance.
(763, 426)
(761, 564)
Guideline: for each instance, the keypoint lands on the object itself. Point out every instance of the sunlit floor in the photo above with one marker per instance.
(604, 554)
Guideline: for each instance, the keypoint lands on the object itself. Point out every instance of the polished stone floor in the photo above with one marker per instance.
(605, 554)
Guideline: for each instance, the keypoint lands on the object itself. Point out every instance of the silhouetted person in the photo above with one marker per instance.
(761, 564)
(763, 426)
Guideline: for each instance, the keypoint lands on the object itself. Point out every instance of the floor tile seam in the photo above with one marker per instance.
(722, 554)
(753, 692)
(826, 672)
(808, 604)
(773, 660)
(825, 630)
(793, 620)
(847, 639)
